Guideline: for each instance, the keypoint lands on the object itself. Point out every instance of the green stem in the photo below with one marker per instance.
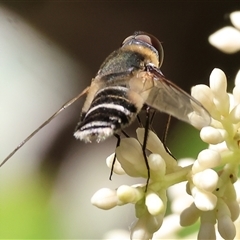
(177, 177)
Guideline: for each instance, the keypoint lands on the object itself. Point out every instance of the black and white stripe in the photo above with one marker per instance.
(109, 112)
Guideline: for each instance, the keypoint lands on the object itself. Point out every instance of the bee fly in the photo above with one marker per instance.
(128, 80)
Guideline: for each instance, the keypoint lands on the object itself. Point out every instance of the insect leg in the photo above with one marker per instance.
(125, 134)
(67, 104)
(150, 121)
(152, 117)
(148, 111)
(115, 156)
(165, 133)
(139, 121)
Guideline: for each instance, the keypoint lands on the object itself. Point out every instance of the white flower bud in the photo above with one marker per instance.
(157, 166)
(237, 187)
(235, 114)
(206, 180)
(156, 146)
(221, 147)
(230, 191)
(222, 209)
(226, 39)
(222, 104)
(154, 203)
(204, 201)
(189, 215)
(236, 95)
(218, 85)
(207, 230)
(237, 79)
(218, 82)
(117, 166)
(204, 95)
(127, 194)
(154, 222)
(156, 163)
(196, 120)
(146, 226)
(105, 199)
(136, 150)
(235, 18)
(233, 207)
(226, 228)
(211, 135)
(132, 161)
(208, 158)
(197, 167)
(232, 102)
(139, 230)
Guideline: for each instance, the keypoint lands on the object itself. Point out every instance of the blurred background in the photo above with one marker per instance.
(49, 51)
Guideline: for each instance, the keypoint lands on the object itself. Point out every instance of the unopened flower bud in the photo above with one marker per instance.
(189, 215)
(226, 227)
(139, 230)
(127, 194)
(211, 135)
(207, 230)
(204, 95)
(209, 158)
(206, 180)
(205, 201)
(105, 199)
(236, 92)
(132, 161)
(117, 168)
(235, 114)
(226, 39)
(154, 203)
(233, 207)
(235, 18)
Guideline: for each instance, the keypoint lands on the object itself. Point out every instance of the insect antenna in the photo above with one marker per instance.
(67, 104)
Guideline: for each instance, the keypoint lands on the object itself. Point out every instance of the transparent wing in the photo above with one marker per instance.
(166, 97)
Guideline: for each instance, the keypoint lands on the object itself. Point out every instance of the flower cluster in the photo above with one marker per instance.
(216, 169)
(209, 179)
(151, 202)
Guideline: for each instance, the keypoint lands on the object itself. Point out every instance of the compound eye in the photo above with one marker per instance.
(147, 40)
(128, 40)
(154, 42)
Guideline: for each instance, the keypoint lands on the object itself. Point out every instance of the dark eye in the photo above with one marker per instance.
(148, 40)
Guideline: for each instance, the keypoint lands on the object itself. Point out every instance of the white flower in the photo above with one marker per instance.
(227, 39)
(210, 179)
(216, 169)
(151, 202)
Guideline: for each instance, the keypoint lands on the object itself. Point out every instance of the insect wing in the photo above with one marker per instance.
(166, 97)
(67, 104)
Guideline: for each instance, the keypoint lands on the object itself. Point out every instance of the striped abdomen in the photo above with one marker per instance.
(110, 111)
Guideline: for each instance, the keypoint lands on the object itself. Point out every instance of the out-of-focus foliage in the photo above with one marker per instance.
(25, 212)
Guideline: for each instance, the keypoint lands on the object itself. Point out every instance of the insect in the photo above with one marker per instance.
(129, 80)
